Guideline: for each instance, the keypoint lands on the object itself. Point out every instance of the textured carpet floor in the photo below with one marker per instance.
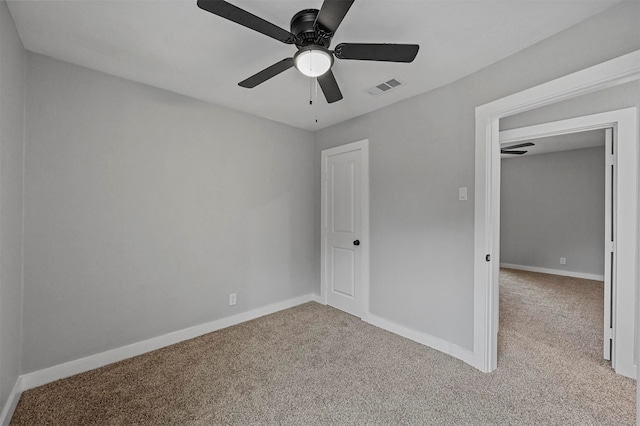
(314, 365)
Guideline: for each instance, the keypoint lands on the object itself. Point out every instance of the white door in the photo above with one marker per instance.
(343, 238)
(609, 243)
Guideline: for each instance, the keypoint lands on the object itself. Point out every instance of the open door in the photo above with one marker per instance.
(609, 251)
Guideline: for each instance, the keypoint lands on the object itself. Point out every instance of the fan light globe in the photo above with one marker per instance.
(313, 62)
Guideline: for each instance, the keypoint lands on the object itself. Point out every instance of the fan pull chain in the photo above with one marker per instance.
(311, 91)
(316, 108)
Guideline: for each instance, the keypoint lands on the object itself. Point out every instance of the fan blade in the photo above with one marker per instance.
(329, 87)
(246, 19)
(377, 52)
(520, 145)
(332, 13)
(267, 73)
(504, 151)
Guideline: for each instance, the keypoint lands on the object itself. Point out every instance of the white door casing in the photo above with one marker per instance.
(345, 228)
(620, 70)
(621, 130)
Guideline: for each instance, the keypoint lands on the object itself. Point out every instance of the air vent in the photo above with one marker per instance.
(385, 87)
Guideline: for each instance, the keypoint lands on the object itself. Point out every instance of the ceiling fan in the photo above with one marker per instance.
(311, 32)
(508, 149)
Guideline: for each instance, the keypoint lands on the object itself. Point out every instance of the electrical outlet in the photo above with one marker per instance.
(232, 299)
(563, 260)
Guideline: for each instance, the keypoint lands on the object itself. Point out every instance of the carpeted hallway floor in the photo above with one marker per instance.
(315, 365)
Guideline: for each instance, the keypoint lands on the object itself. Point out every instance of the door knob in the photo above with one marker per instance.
(356, 243)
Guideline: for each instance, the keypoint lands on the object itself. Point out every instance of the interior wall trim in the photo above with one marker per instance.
(620, 70)
(61, 371)
(433, 342)
(12, 402)
(51, 374)
(553, 271)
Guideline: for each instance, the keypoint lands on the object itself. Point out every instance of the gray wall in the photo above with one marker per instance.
(617, 97)
(144, 209)
(552, 206)
(422, 150)
(12, 76)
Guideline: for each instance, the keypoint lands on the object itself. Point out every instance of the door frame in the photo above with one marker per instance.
(363, 146)
(614, 72)
(624, 123)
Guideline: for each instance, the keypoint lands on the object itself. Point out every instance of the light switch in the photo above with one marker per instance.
(462, 193)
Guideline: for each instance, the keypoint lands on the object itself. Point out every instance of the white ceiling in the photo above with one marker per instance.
(176, 46)
(566, 142)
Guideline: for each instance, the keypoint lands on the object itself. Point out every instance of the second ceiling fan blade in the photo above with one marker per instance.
(504, 151)
(329, 86)
(267, 73)
(377, 52)
(240, 16)
(332, 13)
(520, 145)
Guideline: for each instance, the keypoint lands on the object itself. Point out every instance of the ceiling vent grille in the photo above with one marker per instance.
(385, 87)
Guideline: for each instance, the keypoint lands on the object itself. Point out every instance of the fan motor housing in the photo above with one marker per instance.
(304, 28)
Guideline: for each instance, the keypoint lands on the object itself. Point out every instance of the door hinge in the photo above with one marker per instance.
(608, 334)
(610, 246)
(611, 160)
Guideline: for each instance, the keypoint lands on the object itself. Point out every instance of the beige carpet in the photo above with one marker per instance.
(314, 365)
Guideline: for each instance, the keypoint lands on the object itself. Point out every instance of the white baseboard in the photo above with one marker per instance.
(553, 271)
(12, 402)
(48, 375)
(464, 355)
(436, 343)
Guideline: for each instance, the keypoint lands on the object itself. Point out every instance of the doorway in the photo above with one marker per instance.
(345, 228)
(622, 224)
(611, 73)
(558, 218)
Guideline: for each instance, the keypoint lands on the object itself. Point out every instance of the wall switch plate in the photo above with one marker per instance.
(232, 299)
(462, 193)
(563, 260)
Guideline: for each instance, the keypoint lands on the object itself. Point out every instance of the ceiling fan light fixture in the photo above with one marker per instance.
(313, 61)
(312, 31)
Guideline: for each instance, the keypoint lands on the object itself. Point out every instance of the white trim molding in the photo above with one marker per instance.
(553, 271)
(48, 375)
(51, 374)
(436, 343)
(614, 72)
(12, 403)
